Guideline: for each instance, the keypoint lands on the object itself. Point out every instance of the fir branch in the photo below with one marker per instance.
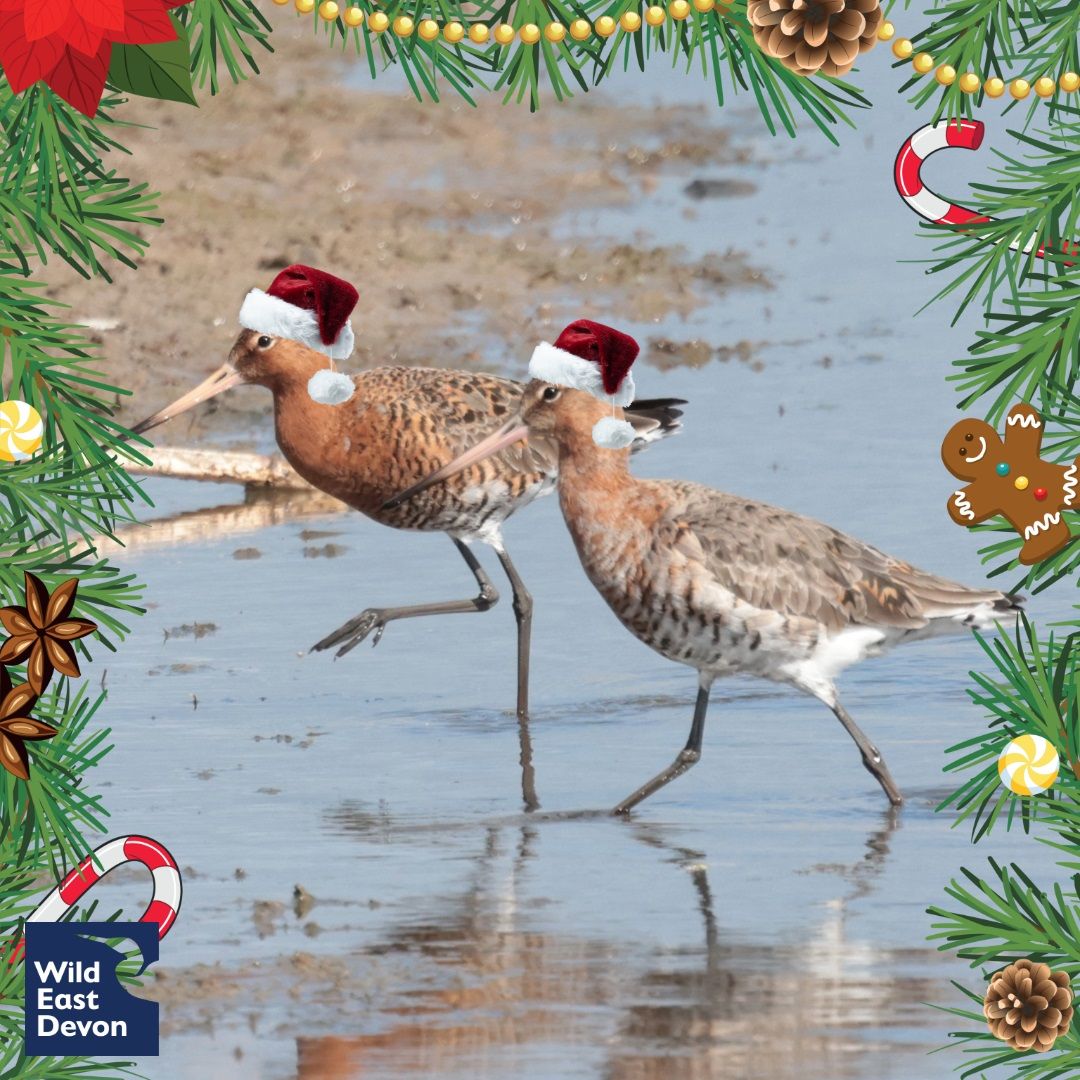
(224, 33)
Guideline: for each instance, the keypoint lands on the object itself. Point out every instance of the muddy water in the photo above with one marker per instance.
(762, 916)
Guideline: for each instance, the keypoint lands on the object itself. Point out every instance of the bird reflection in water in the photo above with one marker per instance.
(500, 999)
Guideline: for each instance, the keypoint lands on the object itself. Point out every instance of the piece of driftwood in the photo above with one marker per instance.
(221, 467)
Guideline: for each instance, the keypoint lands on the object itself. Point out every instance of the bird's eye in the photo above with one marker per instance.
(551, 393)
(265, 342)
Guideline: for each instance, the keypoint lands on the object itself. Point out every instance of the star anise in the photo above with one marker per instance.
(17, 726)
(42, 632)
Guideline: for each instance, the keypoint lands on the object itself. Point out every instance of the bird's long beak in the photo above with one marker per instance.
(511, 432)
(223, 379)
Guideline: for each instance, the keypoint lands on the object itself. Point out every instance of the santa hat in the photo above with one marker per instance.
(312, 307)
(595, 358)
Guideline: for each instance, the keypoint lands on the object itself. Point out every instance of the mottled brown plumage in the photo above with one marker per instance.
(728, 585)
(400, 425)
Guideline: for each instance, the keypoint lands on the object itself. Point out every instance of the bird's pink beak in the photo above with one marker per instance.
(223, 379)
(511, 432)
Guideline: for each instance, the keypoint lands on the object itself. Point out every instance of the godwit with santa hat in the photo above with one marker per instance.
(361, 438)
(719, 582)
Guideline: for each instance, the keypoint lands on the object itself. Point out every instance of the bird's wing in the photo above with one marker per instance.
(782, 561)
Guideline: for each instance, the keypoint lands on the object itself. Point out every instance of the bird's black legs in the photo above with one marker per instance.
(374, 620)
(689, 755)
(523, 608)
(871, 756)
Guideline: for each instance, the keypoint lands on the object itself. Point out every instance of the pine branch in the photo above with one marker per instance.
(224, 33)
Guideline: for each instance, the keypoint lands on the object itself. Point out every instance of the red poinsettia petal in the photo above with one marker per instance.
(37, 598)
(24, 63)
(108, 14)
(146, 22)
(44, 17)
(81, 35)
(80, 79)
(62, 600)
(176, 3)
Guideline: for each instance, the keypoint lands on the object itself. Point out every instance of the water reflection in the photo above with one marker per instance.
(491, 992)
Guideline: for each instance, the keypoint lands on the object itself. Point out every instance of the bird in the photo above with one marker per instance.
(361, 438)
(716, 581)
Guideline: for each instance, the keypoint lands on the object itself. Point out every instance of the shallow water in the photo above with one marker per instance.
(763, 915)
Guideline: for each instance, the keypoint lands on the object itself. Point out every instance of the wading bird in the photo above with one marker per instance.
(365, 437)
(719, 582)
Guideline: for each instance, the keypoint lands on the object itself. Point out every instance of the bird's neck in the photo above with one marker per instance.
(593, 481)
(317, 440)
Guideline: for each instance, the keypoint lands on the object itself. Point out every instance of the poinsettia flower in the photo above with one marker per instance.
(41, 633)
(68, 43)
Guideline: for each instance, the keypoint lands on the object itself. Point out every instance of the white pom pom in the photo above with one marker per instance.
(330, 387)
(612, 434)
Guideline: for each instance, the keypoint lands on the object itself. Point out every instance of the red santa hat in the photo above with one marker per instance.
(595, 358)
(312, 307)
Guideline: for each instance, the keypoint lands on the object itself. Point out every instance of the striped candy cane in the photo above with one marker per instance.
(168, 890)
(966, 134)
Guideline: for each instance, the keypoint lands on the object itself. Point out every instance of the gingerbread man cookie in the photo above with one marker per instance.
(1009, 478)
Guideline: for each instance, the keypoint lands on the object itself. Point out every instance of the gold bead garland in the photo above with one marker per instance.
(630, 22)
(428, 29)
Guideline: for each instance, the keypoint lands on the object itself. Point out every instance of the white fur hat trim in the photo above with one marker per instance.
(565, 369)
(269, 315)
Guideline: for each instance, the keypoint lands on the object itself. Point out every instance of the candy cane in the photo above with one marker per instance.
(966, 134)
(168, 890)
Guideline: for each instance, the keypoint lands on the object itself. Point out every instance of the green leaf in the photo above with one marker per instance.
(160, 71)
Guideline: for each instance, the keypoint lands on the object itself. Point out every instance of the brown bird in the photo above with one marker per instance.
(391, 427)
(720, 582)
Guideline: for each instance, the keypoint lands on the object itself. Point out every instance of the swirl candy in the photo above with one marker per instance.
(1028, 765)
(21, 430)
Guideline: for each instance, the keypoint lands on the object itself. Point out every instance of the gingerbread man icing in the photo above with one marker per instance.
(1009, 478)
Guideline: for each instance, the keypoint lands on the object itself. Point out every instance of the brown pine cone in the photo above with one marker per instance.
(1028, 1006)
(808, 36)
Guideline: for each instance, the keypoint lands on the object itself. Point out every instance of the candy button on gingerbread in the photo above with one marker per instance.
(1006, 476)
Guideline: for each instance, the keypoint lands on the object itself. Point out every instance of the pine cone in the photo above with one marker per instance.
(1028, 1006)
(808, 36)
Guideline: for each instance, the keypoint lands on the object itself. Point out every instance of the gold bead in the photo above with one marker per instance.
(885, 31)
(555, 31)
(679, 9)
(994, 87)
(479, 33)
(378, 21)
(704, 6)
(353, 17)
(1045, 87)
(504, 33)
(328, 10)
(580, 29)
(946, 75)
(923, 63)
(404, 26)
(655, 16)
(428, 29)
(305, 7)
(281, 1)
(605, 26)
(529, 33)
(1070, 82)
(453, 32)
(630, 21)
(970, 82)
(902, 48)
(1021, 483)
(1019, 88)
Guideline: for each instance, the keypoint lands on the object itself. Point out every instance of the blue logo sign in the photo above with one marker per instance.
(75, 1004)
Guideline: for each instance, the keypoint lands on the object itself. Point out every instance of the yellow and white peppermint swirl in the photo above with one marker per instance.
(1028, 765)
(21, 430)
